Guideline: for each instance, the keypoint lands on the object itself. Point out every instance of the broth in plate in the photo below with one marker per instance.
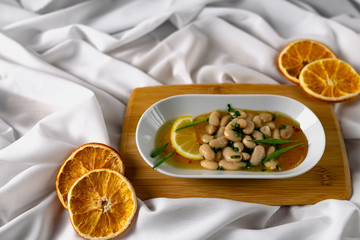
(263, 129)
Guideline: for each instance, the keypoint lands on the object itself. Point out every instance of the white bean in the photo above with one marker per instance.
(250, 126)
(258, 155)
(271, 125)
(214, 118)
(230, 127)
(276, 134)
(207, 152)
(248, 143)
(266, 117)
(242, 114)
(266, 131)
(230, 155)
(242, 123)
(245, 156)
(287, 132)
(218, 156)
(250, 116)
(231, 165)
(211, 165)
(219, 142)
(205, 138)
(257, 135)
(270, 150)
(225, 120)
(272, 164)
(231, 135)
(220, 131)
(257, 121)
(238, 146)
(210, 129)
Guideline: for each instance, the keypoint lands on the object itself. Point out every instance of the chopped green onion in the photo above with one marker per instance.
(229, 108)
(248, 165)
(278, 167)
(235, 114)
(237, 130)
(282, 126)
(216, 149)
(279, 152)
(273, 141)
(235, 156)
(192, 124)
(273, 117)
(159, 150)
(163, 159)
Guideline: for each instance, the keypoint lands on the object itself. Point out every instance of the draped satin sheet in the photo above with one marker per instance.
(67, 69)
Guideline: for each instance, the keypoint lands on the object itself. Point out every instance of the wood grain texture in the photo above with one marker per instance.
(329, 179)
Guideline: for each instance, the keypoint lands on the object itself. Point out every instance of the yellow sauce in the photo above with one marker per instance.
(287, 160)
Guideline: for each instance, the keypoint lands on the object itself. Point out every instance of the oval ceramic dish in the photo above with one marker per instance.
(194, 105)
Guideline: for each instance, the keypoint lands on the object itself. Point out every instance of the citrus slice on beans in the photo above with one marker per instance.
(102, 203)
(184, 141)
(330, 80)
(84, 159)
(297, 54)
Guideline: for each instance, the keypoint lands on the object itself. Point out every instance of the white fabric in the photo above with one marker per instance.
(67, 69)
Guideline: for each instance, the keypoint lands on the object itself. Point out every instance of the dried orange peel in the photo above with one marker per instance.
(102, 204)
(90, 183)
(315, 67)
(297, 54)
(331, 80)
(82, 160)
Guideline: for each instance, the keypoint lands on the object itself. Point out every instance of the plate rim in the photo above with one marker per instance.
(248, 175)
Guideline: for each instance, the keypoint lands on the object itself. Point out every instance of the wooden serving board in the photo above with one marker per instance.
(329, 179)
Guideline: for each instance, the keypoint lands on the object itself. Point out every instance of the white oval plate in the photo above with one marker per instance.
(196, 104)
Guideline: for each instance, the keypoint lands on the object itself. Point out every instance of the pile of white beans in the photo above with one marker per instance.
(221, 129)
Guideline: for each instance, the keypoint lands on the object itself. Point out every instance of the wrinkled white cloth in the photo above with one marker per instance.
(67, 69)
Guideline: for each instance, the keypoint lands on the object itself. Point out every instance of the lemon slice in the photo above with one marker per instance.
(184, 141)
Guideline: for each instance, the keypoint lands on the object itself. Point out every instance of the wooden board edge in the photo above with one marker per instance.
(208, 85)
(347, 173)
(345, 194)
(126, 116)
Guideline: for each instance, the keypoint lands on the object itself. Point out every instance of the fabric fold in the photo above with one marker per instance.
(67, 71)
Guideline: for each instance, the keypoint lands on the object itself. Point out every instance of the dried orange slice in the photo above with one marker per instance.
(102, 204)
(184, 141)
(330, 80)
(85, 158)
(297, 54)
